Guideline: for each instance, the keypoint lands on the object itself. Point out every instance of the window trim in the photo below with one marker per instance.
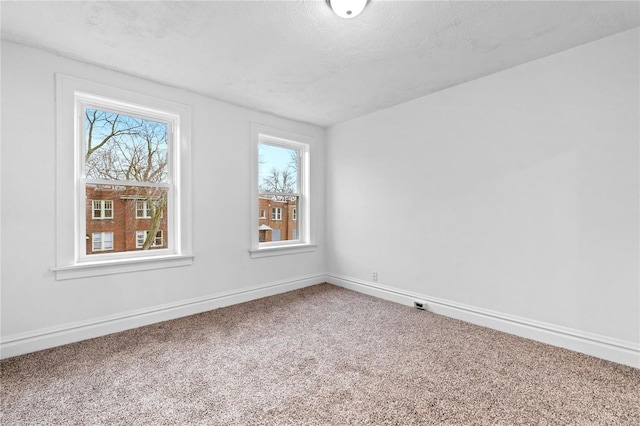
(306, 235)
(70, 91)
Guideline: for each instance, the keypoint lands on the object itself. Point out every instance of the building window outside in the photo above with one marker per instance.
(281, 179)
(102, 241)
(128, 147)
(145, 209)
(263, 214)
(141, 237)
(102, 209)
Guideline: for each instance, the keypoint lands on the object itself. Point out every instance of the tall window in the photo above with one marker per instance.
(120, 154)
(127, 154)
(281, 177)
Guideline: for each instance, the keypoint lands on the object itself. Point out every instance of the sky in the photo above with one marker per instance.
(272, 157)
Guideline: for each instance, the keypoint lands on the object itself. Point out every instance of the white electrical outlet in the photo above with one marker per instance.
(374, 276)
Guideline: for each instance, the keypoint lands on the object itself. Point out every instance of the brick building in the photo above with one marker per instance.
(118, 218)
(278, 220)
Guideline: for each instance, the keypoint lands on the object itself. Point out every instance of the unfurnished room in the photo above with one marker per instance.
(320, 212)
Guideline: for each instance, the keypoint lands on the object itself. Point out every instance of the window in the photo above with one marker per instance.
(102, 209)
(130, 159)
(281, 183)
(263, 214)
(102, 241)
(126, 154)
(145, 209)
(141, 238)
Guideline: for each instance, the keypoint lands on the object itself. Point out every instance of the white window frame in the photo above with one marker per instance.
(101, 240)
(263, 214)
(72, 261)
(306, 237)
(102, 209)
(294, 214)
(276, 213)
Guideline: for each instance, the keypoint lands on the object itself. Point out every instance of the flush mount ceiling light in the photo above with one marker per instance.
(347, 8)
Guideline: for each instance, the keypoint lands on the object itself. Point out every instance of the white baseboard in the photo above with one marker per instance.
(616, 350)
(18, 344)
(620, 351)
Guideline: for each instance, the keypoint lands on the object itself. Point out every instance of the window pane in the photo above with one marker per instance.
(277, 169)
(280, 224)
(97, 241)
(108, 241)
(119, 147)
(124, 202)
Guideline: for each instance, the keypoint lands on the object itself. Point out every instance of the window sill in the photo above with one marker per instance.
(109, 267)
(282, 250)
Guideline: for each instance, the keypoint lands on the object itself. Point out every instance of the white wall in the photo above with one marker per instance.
(38, 311)
(514, 195)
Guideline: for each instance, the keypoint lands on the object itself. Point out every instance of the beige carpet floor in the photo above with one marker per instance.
(322, 355)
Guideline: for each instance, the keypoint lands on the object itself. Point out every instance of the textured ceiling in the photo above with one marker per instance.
(298, 60)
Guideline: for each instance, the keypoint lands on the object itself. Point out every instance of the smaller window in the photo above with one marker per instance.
(141, 236)
(263, 214)
(281, 183)
(102, 209)
(102, 241)
(143, 209)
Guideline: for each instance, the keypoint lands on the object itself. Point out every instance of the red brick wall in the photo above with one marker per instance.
(286, 225)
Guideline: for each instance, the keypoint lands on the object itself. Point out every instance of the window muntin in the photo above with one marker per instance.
(102, 241)
(102, 209)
